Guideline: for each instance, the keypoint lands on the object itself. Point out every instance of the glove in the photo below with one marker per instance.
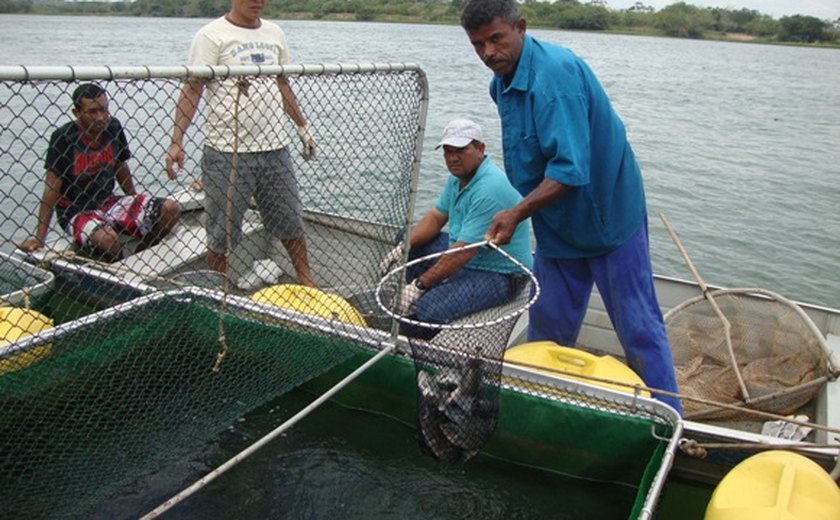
(391, 259)
(408, 299)
(308, 142)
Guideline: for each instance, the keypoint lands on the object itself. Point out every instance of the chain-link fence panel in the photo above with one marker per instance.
(120, 357)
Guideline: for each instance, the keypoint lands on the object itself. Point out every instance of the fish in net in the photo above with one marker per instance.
(458, 361)
(780, 362)
(749, 347)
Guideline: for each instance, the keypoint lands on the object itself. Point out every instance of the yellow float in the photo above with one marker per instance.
(575, 364)
(775, 485)
(15, 324)
(309, 300)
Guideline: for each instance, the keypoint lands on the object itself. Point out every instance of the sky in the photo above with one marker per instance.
(822, 9)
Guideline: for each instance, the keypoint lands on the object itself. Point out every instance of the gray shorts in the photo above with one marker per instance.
(267, 176)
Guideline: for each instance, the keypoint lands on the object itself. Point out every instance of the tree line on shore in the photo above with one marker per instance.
(680, 19)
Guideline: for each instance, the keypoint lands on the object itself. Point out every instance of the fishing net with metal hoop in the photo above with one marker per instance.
(458, 364)
(777, 362)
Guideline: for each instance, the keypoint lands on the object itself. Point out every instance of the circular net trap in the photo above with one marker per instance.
(777, 362)
(458, 364)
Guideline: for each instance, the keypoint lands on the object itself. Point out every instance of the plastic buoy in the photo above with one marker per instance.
(775, 485)
(575, 363)
(310, 301)
(16, 323)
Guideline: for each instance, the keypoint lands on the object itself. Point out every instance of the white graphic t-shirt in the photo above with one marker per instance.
(260, 112)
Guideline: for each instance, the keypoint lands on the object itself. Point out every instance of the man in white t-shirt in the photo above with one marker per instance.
(242, 126)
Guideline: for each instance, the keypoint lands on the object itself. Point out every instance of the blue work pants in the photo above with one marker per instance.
(625, 281)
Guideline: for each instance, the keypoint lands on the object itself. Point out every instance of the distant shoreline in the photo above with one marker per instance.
(708, 36)
(407, 19)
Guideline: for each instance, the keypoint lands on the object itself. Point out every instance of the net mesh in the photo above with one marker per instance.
(101, 400)
(365, 124)
(20, 282)
(780, 357)
(135, 383)
(458, 361)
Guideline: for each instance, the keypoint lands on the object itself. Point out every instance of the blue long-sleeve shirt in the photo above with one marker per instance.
(558, 123)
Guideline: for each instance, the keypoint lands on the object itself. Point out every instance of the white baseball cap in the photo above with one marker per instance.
(459, 133)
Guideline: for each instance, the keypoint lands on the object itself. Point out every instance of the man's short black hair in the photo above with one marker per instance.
(481, 12)
(86, 91)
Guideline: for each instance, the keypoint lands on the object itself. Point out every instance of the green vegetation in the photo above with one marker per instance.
(681, 20)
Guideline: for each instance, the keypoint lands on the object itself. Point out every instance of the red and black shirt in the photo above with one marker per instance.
(87, 169)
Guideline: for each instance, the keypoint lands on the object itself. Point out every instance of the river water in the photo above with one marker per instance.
(739, 146)
(739, 143)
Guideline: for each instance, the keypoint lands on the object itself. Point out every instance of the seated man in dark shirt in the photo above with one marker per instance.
(85, 159)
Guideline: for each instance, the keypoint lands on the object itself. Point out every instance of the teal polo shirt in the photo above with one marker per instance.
(558, 123)
(470, 211)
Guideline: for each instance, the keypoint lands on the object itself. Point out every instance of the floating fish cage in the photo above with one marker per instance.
(126, 393)
(94, 408)
(20, 281)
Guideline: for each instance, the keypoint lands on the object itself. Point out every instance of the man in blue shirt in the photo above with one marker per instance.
(566, 152)
(451, 286)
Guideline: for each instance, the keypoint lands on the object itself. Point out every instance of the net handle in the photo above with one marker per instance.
(459, 326)
(707, 294)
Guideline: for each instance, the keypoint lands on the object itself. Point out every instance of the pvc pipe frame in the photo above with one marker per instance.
(103, 72)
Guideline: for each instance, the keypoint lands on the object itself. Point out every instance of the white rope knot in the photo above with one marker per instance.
(692, 448)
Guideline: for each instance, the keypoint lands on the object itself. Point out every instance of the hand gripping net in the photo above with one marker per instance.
(778, 359)
(459, 365)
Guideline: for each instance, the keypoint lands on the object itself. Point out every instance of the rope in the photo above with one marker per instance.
(638, 388)
(70, 255)
(700, 450)
(51, 254)
(26, 290)
(241, 86)
(180, 497)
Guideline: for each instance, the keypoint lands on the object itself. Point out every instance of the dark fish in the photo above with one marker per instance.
(470, 439)
(459, 401)
(471, 418)
(429, 418)
(454, 420)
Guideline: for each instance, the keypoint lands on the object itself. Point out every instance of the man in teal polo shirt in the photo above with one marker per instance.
(566, 152)
(448, 287)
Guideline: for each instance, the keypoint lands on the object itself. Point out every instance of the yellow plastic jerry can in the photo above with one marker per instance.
(17, 323)
(309, 300)
(573, 363)
(775, 485)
